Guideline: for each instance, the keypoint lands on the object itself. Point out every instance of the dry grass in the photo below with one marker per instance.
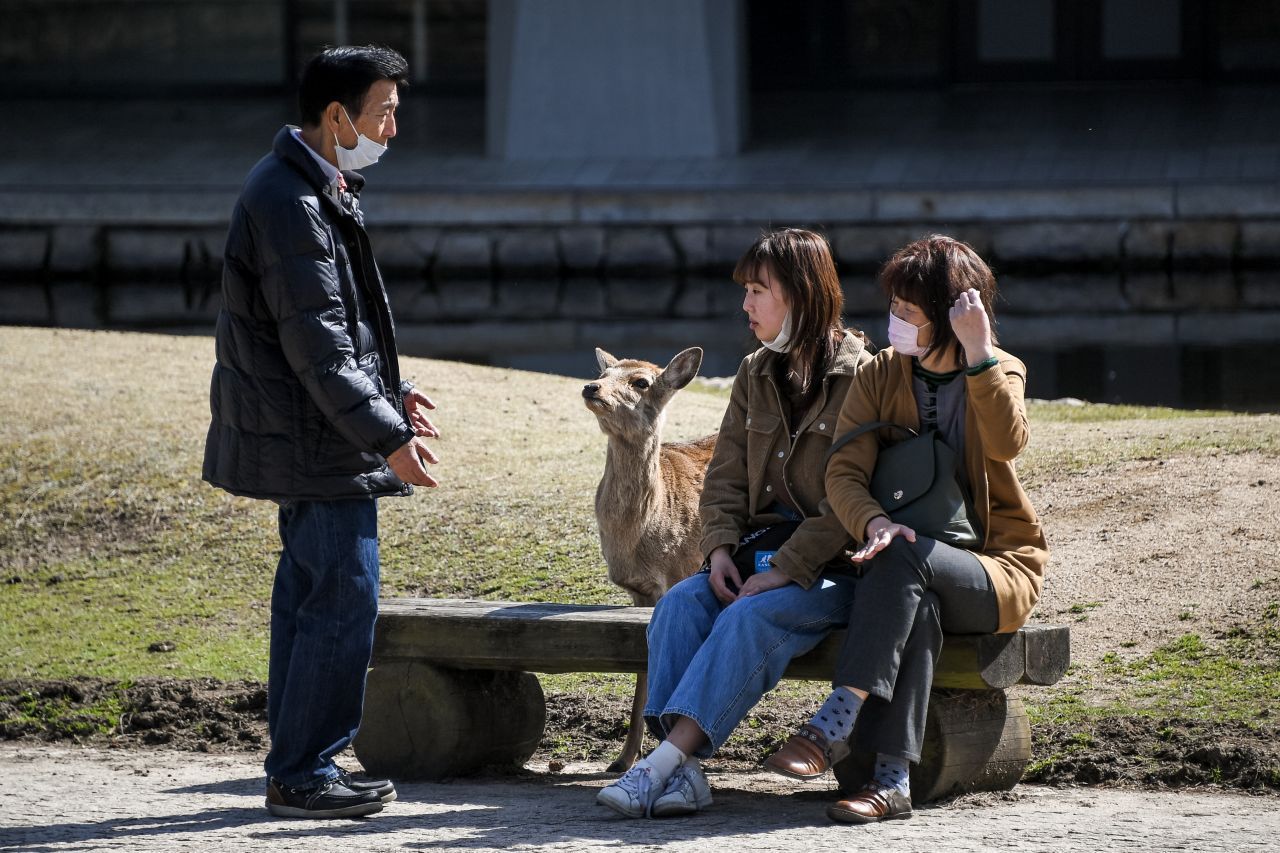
(110, 541)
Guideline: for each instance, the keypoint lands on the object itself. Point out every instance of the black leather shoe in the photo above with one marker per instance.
(383, 787)
(332, 799)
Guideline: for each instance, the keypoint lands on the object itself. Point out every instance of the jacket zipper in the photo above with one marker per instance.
(386, 337)
(786, 484)
(777, 395)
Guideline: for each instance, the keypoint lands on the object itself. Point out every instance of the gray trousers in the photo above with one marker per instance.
(906, 597)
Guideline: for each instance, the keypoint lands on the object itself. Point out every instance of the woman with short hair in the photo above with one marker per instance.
(942, 372)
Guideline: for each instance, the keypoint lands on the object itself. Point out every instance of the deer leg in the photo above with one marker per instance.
(635, 734)
(635, 731)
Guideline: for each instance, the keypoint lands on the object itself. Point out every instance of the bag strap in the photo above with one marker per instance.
(854, 433)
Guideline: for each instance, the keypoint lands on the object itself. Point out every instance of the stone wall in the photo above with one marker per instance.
(543, 297)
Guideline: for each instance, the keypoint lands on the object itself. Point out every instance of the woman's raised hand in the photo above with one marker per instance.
(880, 532)
(972, 327)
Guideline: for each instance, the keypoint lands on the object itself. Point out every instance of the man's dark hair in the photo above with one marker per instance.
(344, 74)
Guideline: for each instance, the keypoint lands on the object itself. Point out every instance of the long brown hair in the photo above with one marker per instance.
(932, 273)
(801, 263)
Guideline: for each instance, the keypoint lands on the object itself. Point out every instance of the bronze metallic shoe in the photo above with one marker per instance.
(806, 754)
(874, 802)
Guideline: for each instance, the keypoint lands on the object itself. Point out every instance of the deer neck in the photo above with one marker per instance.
(632, 481)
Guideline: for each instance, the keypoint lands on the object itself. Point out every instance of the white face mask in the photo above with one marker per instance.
(782, 343)
(903, 336)
(366, 152)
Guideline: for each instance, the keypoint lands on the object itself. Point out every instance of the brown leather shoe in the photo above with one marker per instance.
(871, 804)
(806, 754)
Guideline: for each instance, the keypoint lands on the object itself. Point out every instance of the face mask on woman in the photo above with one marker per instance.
(782, 343)
(366, 152)
(903, 336)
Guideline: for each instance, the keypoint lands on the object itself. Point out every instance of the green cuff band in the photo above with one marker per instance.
(981, 366)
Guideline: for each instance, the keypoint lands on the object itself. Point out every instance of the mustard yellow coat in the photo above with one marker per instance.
(1014, 551)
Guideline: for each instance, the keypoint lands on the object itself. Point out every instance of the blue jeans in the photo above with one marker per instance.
(712, 663)
(323, 607)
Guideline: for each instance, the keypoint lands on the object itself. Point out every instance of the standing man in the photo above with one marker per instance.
(309, 411)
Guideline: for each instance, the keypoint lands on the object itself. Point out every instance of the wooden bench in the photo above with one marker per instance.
(451, 689)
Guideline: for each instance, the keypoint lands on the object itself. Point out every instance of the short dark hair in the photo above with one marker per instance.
(932, 273)
(344, 74)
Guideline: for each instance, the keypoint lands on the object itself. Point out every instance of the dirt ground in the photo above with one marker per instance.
(211, 717)
(1143, 552)
(1158, 548)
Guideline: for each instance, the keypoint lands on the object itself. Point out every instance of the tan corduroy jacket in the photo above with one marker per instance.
(1014, 551)
(755, 449)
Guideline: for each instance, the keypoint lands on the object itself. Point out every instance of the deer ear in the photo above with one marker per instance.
(682, 368)
(604, 359)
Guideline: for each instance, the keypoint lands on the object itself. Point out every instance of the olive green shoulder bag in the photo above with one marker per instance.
(915, 483)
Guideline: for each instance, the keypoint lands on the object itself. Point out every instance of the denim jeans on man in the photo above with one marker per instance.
(712, 663)
(323, 607)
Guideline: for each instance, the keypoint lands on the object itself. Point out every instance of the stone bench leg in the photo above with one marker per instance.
(428, 722)
(975, 740)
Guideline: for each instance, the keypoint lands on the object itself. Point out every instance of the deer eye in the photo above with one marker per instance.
(640, 383)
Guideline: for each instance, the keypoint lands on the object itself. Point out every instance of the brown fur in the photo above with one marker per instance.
(647, 501)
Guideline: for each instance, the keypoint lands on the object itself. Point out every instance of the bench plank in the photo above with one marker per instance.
(1048, 653)
(555, 638)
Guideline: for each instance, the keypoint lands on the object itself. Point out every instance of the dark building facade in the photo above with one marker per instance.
(702, 62)
(574, 173)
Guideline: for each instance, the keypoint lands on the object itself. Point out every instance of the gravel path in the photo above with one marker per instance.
(56, 799)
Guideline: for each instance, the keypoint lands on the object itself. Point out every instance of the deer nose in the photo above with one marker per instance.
(590, 391)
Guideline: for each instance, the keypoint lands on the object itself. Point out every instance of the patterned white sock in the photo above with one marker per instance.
(664, 760)
(837, 715)
(893, 772)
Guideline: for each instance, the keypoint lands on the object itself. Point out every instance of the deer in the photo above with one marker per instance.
(647, 501)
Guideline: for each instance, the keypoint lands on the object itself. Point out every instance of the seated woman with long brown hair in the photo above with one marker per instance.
(722, 638)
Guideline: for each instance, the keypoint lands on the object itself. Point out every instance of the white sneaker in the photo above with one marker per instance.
(631, 795)
(686, 792)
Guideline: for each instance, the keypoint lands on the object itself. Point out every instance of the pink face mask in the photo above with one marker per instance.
(902, 336)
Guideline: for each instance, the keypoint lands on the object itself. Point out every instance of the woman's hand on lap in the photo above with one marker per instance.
(724, 573)
(880, 532)
(763, 582)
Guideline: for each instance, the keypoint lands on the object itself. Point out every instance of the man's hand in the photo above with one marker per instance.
(411, 460)
(415, 405)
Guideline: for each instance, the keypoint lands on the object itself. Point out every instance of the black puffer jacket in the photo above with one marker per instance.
(306, 394)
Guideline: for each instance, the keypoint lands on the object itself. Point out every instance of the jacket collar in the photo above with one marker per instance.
(849, 355)
(292, 152)
(846, 361)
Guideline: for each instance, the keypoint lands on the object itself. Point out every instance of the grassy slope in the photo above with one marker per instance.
(117, 544)
(111, 542)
